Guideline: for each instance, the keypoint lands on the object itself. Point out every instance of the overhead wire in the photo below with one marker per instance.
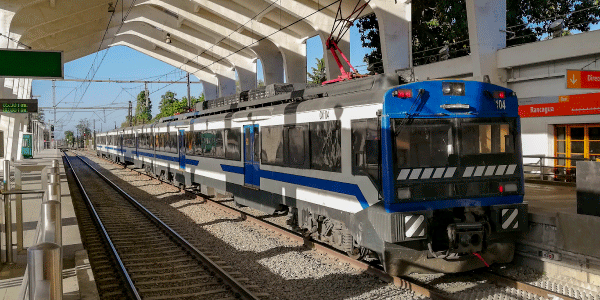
(105, 52)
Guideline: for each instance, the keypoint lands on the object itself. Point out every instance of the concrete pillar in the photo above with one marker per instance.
(28, 88)
(210, 90)
(246, 73)
(394, 20)
(294, 62)
(226, 85)
(21, 88)
(486, 19)
(272, 61)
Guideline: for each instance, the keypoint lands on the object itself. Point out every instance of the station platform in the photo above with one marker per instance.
(77, 275)
(560, 241)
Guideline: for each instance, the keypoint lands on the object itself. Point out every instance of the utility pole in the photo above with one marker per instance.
(130, 115)
(189, 104)
(54, 100)
(146, 94)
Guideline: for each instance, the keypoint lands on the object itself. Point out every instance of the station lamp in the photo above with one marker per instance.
(444, 53)
(168, 39)
(556, 28)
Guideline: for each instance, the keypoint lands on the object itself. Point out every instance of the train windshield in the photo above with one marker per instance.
(486, 139)
(422, 143)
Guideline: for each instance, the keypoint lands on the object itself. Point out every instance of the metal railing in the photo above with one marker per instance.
(43, 274)
(551, 168)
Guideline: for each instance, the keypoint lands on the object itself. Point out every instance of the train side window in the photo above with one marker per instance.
(232, 147)
(297, 141)
(208, 143)
(248, 155)
(198, 143)
(173, 140)
(218, 144)
(365, 147)
(272, 145)
(326, 146)
(189, 142)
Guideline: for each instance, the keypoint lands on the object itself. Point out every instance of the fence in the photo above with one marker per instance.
(545, 168)
(43, 275)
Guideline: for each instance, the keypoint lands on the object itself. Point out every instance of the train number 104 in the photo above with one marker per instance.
(501, 104)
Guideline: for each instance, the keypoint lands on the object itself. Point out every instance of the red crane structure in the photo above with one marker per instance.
(341, 25)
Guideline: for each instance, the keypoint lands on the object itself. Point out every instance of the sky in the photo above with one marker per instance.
(123, 63)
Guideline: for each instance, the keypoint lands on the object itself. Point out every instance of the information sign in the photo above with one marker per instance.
(31, 63)
(571, 105)
(578, 79)
(18, 105)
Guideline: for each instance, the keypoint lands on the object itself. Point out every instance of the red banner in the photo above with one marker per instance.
(577, 79)
(572, 105)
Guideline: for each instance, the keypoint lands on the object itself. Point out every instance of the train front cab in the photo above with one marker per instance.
(453, 185)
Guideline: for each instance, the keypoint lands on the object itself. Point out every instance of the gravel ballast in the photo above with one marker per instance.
(282, 268)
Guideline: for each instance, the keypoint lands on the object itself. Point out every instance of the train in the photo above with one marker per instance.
(427, 175)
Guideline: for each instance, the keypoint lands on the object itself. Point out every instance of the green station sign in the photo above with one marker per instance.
(18, 105)
(31, 64)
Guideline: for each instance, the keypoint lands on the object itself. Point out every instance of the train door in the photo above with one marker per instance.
(251, 156)
(182, 149)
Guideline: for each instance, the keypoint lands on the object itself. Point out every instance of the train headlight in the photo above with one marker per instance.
(404, 193)
(453, 88)
(508, 187)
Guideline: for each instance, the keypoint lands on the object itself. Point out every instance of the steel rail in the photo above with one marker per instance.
(508, 282)
(232, 282)
(130, 286)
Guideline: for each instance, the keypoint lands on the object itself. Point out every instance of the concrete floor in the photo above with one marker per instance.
(547, 198)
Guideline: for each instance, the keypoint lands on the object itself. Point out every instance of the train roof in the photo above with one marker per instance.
(289, 94)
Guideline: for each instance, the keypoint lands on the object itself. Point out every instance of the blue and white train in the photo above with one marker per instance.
(427, 175)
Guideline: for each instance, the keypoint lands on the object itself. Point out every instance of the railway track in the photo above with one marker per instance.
(152, 260)
(489, 285)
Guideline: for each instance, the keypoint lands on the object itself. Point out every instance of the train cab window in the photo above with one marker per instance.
(296, 145)
(365, 147)
(232, 146)
(422, 145)
(326, 146)
(272, 145)
(486, 139)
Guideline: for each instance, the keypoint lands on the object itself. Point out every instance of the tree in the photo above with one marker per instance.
(318, 74)
(143, 109)
(436, 23)
(69, 137)
(83, 128)
(169, 105)
(260, 83)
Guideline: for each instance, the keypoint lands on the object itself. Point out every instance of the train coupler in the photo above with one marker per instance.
(466, 237)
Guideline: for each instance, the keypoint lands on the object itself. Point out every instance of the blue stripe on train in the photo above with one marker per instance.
(317, 183)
